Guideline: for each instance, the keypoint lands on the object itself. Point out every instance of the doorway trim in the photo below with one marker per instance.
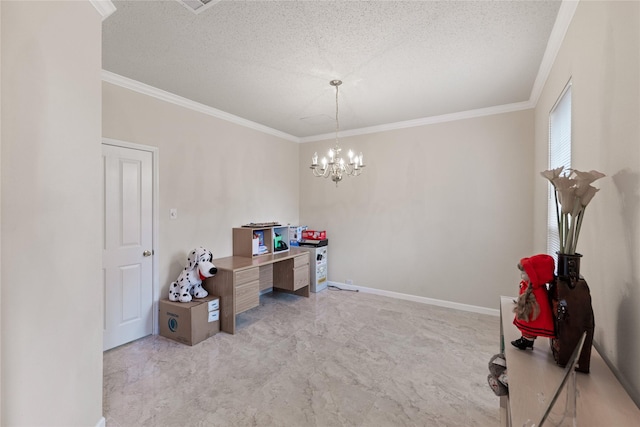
(155, 221)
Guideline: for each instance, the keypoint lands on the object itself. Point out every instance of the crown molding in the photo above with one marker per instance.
(125, 82)
(481, 112)
(560, 27)
(559, 31)
(104, 7)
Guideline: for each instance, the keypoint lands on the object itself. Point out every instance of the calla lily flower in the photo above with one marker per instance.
(588, 195)
(587, 177)
(573, 192)
(567, 198)
(562, 183)
(552, 174)
(581, 188)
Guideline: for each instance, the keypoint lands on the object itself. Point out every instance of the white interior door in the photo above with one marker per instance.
(127, 259)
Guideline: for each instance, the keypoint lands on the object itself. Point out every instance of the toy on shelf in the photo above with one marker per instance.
(189, 283)
(533, 311)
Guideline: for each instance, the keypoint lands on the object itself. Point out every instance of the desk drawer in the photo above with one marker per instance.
(266, 277)
(247, 296)
(301, 260)
(301, 277)
(245, 276)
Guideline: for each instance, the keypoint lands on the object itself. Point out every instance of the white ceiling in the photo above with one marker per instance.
(270, 62)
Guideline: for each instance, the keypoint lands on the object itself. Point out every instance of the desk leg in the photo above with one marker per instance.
(222, 285)
(303, 292)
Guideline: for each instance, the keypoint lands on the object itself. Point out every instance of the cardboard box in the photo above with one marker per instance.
(295, 233)
(190, 322)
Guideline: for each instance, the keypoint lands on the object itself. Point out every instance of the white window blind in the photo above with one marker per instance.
(559, 155)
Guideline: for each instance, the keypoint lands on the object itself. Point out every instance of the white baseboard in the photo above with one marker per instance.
(101, 422)
(423, 300)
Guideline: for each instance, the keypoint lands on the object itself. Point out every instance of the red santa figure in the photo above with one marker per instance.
(533, 311)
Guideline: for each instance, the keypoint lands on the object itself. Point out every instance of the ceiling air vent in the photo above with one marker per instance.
(197, 6)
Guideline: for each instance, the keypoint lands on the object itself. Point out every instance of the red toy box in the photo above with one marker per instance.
(314, 235)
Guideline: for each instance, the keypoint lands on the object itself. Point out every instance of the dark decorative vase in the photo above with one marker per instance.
(569, 266)
(572, 312)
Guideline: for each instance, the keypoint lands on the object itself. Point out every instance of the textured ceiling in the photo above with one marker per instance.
(270, 62)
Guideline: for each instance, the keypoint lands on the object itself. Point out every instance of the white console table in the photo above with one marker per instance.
(534, 377)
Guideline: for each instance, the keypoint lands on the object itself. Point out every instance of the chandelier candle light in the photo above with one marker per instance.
(335, 166)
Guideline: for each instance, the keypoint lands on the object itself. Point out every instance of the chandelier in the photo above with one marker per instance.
(335, 166)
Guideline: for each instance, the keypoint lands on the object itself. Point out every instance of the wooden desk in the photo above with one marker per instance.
(534, 377)
(239, 281)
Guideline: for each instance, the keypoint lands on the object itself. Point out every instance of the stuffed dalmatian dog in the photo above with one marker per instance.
(189, 282)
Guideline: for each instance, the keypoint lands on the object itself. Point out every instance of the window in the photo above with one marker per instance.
(559, 155)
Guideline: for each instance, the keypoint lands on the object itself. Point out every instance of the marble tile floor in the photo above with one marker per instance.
(337, 358)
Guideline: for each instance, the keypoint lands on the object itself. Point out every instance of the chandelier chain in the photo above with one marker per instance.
(337, 120)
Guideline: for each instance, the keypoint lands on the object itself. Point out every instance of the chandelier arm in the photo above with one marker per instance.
(319, 172)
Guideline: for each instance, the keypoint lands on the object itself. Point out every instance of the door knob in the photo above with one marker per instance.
(146, 253)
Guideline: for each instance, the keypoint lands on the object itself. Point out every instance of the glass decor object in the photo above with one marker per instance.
(557, 413)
